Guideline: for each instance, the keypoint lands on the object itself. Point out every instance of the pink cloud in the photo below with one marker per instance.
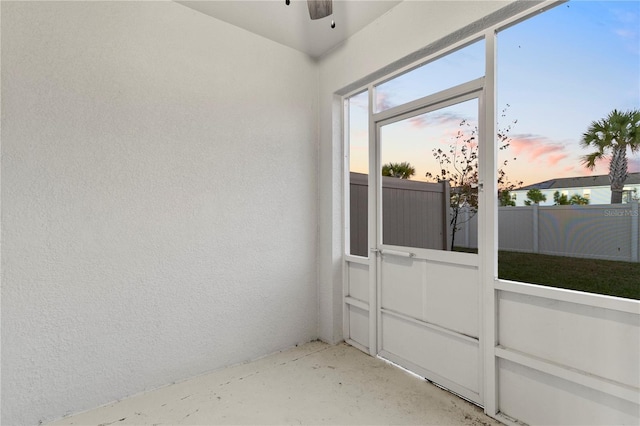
(576, 170)
(633, 165)
(556, 158)
(538, 148)
(580, 171)
(602, 166)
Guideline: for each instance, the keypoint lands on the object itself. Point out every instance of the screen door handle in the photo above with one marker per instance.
(396, 253)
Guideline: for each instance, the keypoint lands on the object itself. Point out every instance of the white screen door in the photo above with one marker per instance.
(428, 282)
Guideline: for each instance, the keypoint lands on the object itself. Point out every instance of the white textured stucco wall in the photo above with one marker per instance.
(404, 34)
(159, 200)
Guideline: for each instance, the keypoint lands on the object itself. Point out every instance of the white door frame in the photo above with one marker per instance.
(467, 91)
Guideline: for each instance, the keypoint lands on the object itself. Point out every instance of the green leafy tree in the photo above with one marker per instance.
(505, 198)
(459, 165)
(612, 137)
(402, 170)
(578, 200)
(563, 200)
(560, 199)
(534, 196)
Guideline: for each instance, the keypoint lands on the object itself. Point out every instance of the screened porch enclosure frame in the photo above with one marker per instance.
(535, 342)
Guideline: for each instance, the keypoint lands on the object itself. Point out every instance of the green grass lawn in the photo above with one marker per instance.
(612, 278)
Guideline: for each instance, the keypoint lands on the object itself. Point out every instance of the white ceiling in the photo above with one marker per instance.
(291, 25)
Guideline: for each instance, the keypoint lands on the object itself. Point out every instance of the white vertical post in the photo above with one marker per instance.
(372, 218)
(346, 217)
(347, 180)
(535, 211)
(634, 231)
(487, 230)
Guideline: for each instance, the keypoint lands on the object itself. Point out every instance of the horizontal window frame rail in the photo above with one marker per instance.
(359, 260)
(352, 301)
(442, 99)
(614, 303)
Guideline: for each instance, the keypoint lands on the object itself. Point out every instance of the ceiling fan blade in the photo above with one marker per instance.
(320, 8)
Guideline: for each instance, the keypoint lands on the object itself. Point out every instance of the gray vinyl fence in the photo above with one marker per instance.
(414, 214)
(604, 231)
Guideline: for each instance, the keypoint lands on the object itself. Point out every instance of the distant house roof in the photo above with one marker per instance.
(581, 182)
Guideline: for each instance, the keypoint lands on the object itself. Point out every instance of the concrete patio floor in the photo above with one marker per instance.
(314, 383)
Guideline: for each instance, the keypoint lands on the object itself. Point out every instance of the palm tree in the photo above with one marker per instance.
(402, 170)
(611, 137)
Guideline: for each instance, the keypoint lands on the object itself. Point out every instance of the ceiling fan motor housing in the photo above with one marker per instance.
(319, 9)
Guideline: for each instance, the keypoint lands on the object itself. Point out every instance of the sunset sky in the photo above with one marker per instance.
(557, 71)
